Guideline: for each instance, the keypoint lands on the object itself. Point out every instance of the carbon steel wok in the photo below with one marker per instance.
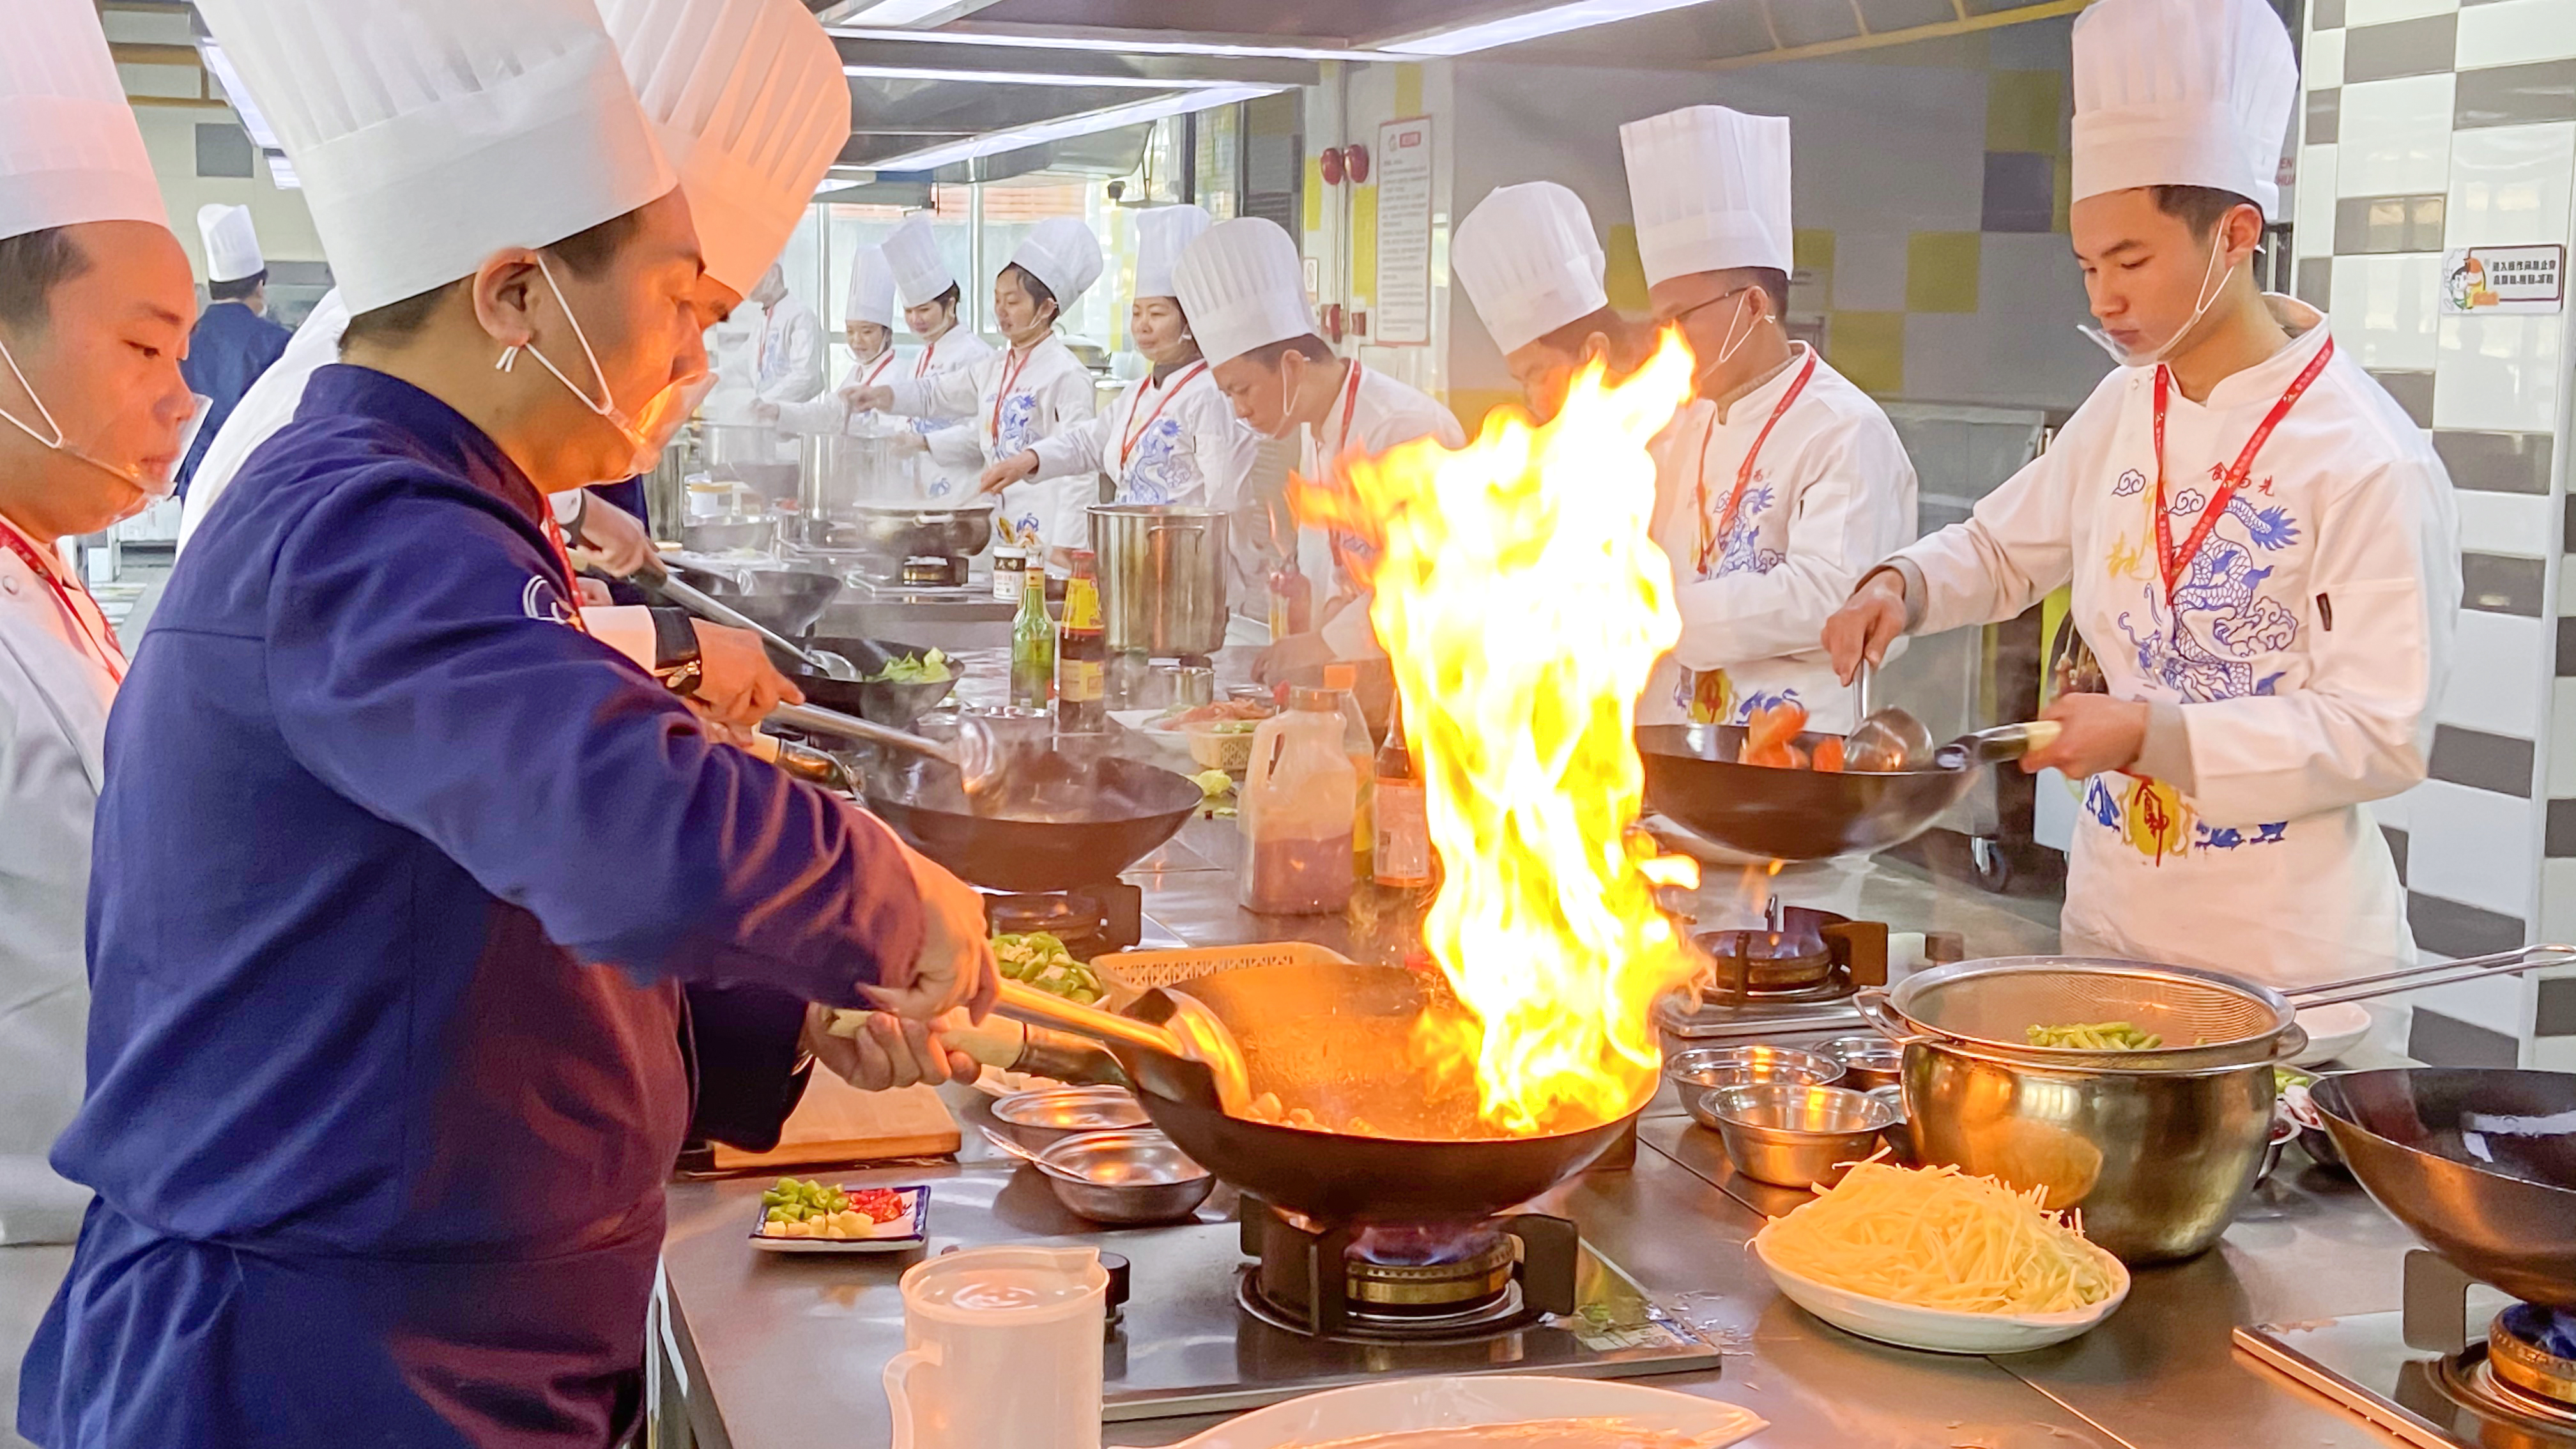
(1054, 824)
(1336, 1040)
(897, 706)
(786, 601)
(1782, 814)
(2479, 1163)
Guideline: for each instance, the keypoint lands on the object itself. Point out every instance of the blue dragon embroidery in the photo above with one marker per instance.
(1739, 552)
(1015, 432)
(2221, 623)
(1160, 470)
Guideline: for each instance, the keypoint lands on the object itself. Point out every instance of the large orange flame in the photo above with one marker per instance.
(1523, 603)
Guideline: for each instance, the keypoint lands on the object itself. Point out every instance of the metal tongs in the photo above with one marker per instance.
(654, 576)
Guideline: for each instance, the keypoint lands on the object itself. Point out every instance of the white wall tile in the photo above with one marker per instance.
(2397, 811)
(2557, 900)
(2321, 68)
(2562, 732)
(2553, 1054)
(2508, 523)
(2385, 309)
(2497, 671)
(2494, 373)
(2474, 846)
(2313, 219)
(1869, 271)
(2515, 31)
(2509, 184)
(2496, 1003)
(2380, 12)
(2394, 138)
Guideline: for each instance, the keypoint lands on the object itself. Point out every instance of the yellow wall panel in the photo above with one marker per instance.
(1623, 275)
(1408, 94)
(1314, 193)
(1868, 348)
(2025, 111)
(1364, 245)
(1941, 271)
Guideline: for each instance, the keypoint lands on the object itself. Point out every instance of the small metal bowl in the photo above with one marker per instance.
(1796, 1136)
(1899, 1133)
(1868, 1061)
(1131, 1176)
(1699, 1069)
(1038, 1120)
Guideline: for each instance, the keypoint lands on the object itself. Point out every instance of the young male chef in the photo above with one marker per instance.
(786, 343)
(414, 899)
(95, 301)
(1781, 482)
(1244, 290)
(1529, 261)
(234, 340)
(868, 318)
(2263, 549)
(931, 295)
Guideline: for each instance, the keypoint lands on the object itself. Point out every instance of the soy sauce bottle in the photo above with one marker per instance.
(1081, 654)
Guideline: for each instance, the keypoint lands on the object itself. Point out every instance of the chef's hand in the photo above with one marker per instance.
(1286, 657)
(1010, 470)
(594, 592)
(2101, 733)
(615, 537)
(955, 967)
(736, 682)
(1868, 622)
(886, 1051)
(868, 399)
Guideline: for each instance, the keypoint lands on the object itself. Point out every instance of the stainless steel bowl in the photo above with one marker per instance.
(1700, 1069)
(1795, 1136)
(1133, 1175)
(724, 535)
(1869, 1062)
(1038, 1120)
(1899, 1133)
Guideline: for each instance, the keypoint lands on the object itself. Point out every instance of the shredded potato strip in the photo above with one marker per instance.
(1936, 1238)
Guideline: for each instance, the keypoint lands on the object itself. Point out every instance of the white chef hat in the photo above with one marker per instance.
(232, 246)
(1062, 253)
(1529, 261)
(1162, 234)
(1243, 287)
(751, 106)
(871, 288)
(1710, 187)
(2182, 93)
(69, 149)
(430, 136)
(920, 273)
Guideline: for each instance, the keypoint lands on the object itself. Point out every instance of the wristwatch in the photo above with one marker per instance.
(676, 661)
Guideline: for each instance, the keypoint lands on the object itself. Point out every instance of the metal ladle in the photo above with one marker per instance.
(977, 756)
(1888, 740)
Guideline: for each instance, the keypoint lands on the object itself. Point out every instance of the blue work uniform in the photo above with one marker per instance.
(228, 349)
(422, 926)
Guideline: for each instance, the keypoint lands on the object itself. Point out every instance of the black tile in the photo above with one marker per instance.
(2413, 392)
(2446, 1041)
(2325, 116)
(2422, 46)
(2567, 648)
(2555, 1013)
(2568, 545)
(2482, 761)
(2366, 224)
(2500, 585)
(2515, 95)
(2021, 192)
(2558, 842)
(2314, 282)
(2495, 462)
(2450, 928)
(2396, 849)
(2325, 14)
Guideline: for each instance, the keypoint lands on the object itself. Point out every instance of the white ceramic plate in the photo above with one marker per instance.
(1172, 745)
(1939, 1330)
(1397, 1406)
(2332, 1031)
(918, 1234)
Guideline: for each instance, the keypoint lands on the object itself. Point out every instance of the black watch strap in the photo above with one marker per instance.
(675, 648)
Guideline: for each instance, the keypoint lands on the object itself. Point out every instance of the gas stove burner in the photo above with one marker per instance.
(934, 571)
(1794, 957)
(2532, 1351)
(1404, 1280)
(1091, 920)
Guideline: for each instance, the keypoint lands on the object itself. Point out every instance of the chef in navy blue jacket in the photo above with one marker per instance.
(234, 340)
(423, 926)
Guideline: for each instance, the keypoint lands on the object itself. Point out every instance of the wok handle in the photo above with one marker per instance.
(816, 721)
(1023, 1002)
(1994, 746)
(654, 576)
(2439, 973)
(1872, 1004)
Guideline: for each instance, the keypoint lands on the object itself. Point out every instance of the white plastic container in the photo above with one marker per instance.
(1299, 795)
(1001, 1347)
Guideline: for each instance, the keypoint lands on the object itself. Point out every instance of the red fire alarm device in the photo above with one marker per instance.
(1330, 165)
(1355, 160)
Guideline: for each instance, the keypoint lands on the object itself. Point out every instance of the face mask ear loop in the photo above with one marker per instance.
(1287, 417)
(605, 409)
(42, 411)
(1733, 344)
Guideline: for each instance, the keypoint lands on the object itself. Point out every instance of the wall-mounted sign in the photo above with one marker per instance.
(2504, 279)
(1403, 302)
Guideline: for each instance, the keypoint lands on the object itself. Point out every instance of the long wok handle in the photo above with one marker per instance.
(1023, 1002)
(1994, 746)
(662, 581)
(2439, 973)
(816, 721)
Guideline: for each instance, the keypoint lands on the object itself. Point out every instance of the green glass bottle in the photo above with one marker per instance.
(1032, 646)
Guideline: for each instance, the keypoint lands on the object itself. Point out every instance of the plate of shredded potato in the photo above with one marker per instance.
(1934, 1259)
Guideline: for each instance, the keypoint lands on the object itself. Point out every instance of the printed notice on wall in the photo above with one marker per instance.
(1403, 233)
(2504, 279)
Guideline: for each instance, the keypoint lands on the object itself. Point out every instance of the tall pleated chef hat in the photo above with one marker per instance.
(430, 136)
(232, 245)
(69, 149)
(1062, 253)
(1529, 261)
(2182, 93)
(1243, 286)
(1710, 187)
(1162, 234)
(871, 288)
(920, 273)
(751, 107)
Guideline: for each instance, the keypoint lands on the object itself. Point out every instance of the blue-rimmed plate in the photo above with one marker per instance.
(909, 1231)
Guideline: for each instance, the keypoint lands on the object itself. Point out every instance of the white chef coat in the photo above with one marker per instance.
(832, 413)
(268, 406)
(1366, 419)
(56, 682)
(787, 353)
(1831, 494)
(956, 457)
(2313, 635)
(1169, 439)
(1049, 390)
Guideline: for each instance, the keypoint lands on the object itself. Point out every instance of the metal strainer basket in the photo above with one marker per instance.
(2207, 1020)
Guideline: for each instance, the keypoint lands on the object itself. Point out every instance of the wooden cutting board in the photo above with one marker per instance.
(837, 1123)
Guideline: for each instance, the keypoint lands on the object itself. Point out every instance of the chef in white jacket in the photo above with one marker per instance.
(930, 295)
(267, 407)
(1244, 290)
(95, 305)
(1780, 482)
(868, 317)
(1528, 259)
(1026, 393)
(786, 343)
(1171, 438)
(2263, 548)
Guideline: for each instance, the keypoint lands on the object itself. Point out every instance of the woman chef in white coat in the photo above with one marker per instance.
(869, 317)
(95, 305)
(1172, 438)
(1027, 393)
(2262, 546)
(930, 294)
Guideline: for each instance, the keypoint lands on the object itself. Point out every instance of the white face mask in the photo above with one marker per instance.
(663, 413)
(2212, 282)
(154, 486)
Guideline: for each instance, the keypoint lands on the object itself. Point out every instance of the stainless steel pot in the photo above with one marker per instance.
(1162, 578)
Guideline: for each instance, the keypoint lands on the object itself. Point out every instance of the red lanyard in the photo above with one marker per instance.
(1127, 444)
(572, 581)
(105, 649)
(929, 350)
(1710, 543)
(1348, 405)
(1010, 376)
(884, 361)
(2167, 558)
